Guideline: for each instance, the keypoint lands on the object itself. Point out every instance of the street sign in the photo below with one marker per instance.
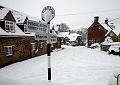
(34, 26)
(48, 13)
(43, 36)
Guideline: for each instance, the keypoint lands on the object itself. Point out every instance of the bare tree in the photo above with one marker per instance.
(63, 27)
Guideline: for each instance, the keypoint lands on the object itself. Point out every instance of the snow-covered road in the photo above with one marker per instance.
(70, 66)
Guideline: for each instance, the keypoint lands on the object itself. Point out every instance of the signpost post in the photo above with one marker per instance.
(47, 15)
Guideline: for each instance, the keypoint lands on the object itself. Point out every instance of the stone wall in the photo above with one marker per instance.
(22, 48)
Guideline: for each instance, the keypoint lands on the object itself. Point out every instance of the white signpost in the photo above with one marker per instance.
(43, 36)
(34, 26)
(47, 15)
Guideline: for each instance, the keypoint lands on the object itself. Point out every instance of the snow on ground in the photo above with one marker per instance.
(70, 66)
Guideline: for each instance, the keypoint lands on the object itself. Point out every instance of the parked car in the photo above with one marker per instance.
(115, 50)
(95, 45)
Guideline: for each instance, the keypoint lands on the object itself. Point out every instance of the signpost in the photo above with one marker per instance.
(43, 36)
(34, 26)
(47, 15)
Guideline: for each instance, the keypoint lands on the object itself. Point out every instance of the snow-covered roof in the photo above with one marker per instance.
(2, 32)
(73, 36)
(63, 34)
(116, 30)
(3, 12)
(20, 17)
(18, 32)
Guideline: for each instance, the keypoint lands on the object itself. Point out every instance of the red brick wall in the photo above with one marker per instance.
(96, 33)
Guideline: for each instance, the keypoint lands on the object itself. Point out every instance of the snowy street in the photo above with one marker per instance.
(70, 66)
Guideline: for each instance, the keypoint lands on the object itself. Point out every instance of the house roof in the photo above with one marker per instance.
(116, 30)
(63, 34)
(73, 36)
(20, 17)
(3, 12)
(18, 32)
(2, 32)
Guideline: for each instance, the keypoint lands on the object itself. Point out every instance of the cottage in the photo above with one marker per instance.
(70, 38)
(74, 39)
(17, 37)
(96, 32)
(15, 45)
(113, 34)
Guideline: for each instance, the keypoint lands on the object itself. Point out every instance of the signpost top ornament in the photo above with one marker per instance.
(48, 13)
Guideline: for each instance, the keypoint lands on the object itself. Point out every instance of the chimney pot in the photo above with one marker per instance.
(96, 19)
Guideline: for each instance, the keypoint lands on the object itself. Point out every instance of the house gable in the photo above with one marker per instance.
(9, 17)
(97, 26)
(96, 32)
(111, 33)
(26, 19)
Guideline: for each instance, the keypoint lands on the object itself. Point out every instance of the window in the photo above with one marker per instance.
(111, 34)
(41, 45)
(8, 50)
(33, 46)
(9, 26)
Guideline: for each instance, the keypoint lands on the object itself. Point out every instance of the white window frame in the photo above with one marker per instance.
(8, 50)
(10, 25)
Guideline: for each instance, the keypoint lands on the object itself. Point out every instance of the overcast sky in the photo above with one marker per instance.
(75, 13)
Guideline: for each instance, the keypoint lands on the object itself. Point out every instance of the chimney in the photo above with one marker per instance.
(96, 19)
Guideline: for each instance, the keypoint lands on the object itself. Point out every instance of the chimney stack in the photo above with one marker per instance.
(96, 19)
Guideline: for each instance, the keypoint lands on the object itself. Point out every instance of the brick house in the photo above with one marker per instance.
(96, 32)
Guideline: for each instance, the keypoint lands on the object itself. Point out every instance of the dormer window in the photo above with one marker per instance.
(9, 26)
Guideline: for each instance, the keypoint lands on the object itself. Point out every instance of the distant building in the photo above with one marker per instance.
(75, 39)
(96, 32)
(113, 35)
(70, 38)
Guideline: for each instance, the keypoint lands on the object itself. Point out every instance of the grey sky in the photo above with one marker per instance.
(76, 13)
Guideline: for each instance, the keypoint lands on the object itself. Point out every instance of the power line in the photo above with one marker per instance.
(102, 11)
(102, 23)
(114, 19)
